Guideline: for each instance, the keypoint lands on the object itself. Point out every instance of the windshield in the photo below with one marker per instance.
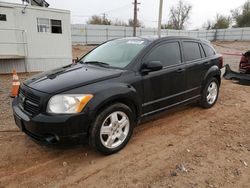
(117, 53)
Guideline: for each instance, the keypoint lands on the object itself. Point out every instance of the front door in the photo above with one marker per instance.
(164, 88)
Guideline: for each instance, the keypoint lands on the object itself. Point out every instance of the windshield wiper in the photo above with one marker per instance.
(102, 64)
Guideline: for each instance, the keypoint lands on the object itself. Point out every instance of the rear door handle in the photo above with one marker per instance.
(180, 70)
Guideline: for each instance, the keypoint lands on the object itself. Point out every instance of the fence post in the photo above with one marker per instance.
(107, 33)
(241, 38)
(86, 35)
(224, 34)
(215, 34)
(140, 32)
(124, 31)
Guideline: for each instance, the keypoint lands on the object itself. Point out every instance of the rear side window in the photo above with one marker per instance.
(202, 51)
(208, 50)
(168, 54)
(191, 51)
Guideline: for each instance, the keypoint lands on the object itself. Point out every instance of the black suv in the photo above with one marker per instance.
(114, 86)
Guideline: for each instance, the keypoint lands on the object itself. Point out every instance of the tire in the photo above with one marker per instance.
(212, 88)
(112, 129)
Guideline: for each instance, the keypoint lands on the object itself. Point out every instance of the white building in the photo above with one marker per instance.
(33, 38)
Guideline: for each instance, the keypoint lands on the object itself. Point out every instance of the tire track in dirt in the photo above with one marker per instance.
(156, 147)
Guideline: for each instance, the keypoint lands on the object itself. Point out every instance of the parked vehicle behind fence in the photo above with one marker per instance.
(113, 87)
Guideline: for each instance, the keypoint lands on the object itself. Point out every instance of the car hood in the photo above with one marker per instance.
(69, 77)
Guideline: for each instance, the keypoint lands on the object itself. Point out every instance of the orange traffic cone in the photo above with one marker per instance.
(15, 84)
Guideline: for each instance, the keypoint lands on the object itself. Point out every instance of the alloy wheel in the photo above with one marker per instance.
(114, 129)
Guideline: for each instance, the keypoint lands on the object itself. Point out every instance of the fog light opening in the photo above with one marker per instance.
(52, 139)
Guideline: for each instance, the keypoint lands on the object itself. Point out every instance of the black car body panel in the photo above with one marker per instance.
(69, 77)
(144, 92)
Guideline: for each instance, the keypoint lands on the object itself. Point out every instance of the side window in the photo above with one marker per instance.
(191, 51)
(56, 26)
(202, 51)
(208, 50)
(43, 25)
(3, 17)
(168, 54)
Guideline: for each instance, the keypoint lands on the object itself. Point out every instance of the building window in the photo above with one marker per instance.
(43, 25)
(47, 25)
(56, 26)
(3, 17)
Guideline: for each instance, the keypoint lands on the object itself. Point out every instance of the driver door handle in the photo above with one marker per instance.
(180, 70)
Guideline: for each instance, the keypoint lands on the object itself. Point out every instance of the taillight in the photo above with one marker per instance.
(221, 62)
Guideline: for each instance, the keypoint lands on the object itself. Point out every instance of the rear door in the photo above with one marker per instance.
(196, 67)
(164, 88)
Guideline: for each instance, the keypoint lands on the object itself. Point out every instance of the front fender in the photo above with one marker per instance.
(115, 92)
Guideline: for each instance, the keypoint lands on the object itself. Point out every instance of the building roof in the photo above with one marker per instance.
(41, 3)
(18, 5)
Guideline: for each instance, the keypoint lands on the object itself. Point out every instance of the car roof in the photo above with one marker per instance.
(154, 38)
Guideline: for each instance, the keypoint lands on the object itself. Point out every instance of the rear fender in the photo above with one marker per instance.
(213, 71)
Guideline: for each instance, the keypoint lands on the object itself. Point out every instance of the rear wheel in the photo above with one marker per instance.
(210, 93)
(112, 129)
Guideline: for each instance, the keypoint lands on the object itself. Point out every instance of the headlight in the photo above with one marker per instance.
(68, 104)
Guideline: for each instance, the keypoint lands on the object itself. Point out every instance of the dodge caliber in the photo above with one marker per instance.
(116, 85)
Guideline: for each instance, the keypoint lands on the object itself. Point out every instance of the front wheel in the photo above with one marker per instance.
(112, 129)
(210, 93)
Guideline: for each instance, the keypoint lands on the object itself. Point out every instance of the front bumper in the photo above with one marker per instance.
(49, 128)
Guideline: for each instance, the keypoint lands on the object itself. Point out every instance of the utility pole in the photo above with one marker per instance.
(135, 17)
(160, 18)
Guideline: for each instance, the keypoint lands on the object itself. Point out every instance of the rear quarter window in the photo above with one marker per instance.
(209, 51)
(191, 51)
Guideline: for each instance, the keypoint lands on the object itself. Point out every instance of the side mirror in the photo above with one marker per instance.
(151, 66)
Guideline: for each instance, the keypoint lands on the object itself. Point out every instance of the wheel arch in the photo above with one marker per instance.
(213, 71)
(119, 99)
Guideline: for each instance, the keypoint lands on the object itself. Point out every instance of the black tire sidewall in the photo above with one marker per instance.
(204, 103)
(94, 137)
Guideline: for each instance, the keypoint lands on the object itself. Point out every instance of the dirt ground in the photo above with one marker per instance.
(187, 147)
(79, 50)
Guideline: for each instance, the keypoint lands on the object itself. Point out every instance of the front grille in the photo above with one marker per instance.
(29, 102)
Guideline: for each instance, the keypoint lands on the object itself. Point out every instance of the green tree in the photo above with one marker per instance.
(167, 26)
(99, 20)
(221, 22)
(118, 22)
(207, 25)
(179, 15)
(138, 23)
(241, 15)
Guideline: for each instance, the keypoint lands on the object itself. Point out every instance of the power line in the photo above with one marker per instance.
(118, 8)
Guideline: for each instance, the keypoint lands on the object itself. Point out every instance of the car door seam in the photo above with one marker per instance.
(169, 97)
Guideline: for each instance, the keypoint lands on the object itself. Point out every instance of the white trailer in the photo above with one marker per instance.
(33, 38)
